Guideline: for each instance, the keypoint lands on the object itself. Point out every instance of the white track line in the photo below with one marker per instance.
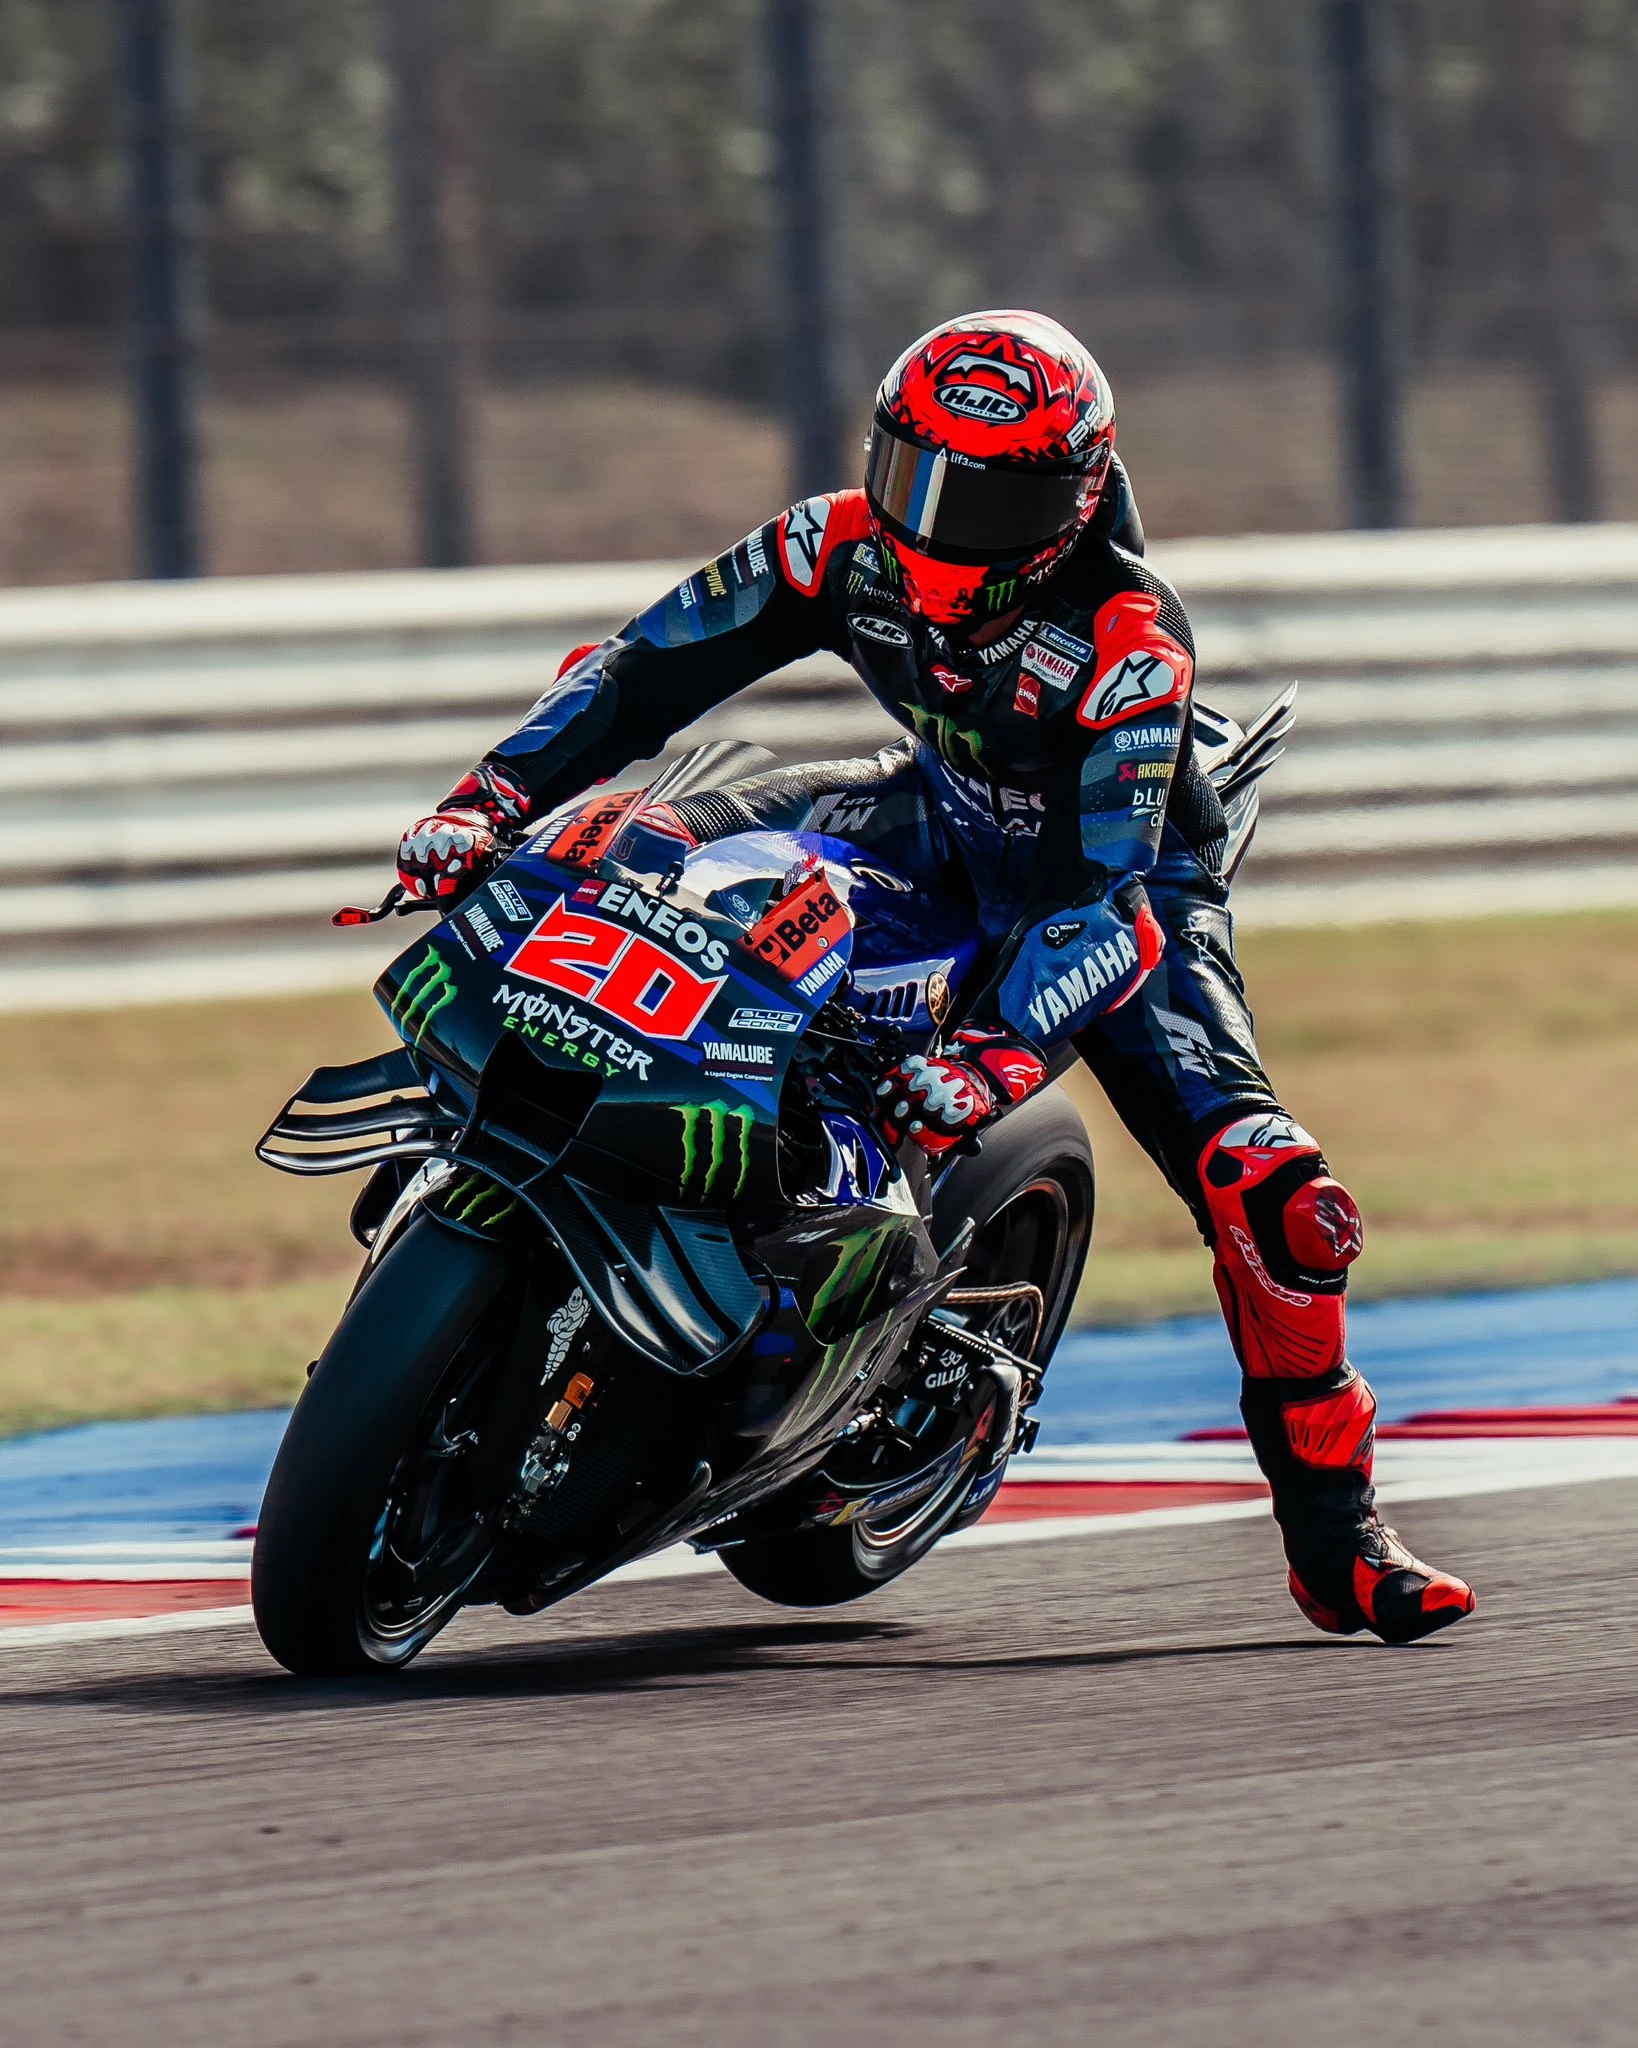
(1457, 1471)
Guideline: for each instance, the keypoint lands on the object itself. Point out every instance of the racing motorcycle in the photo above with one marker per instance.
(641, 1265)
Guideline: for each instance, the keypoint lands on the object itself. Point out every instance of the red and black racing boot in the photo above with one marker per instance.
(1314, 1440)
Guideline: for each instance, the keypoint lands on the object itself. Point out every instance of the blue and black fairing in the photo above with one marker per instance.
(640, 1149)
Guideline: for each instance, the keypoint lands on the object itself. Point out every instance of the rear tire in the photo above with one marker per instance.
(1030, 1190)
(411, 1336)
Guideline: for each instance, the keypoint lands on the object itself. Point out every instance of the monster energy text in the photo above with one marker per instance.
(566, 1030)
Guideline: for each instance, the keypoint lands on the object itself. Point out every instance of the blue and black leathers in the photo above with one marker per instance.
(1049, 776)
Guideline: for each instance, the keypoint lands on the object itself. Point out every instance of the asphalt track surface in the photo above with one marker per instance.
(1109, 1788)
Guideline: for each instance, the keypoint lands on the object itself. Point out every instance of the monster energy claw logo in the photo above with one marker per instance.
(852, 1278)
(948, 739)
(472, 1201)
(706, 1127)
(428, 988)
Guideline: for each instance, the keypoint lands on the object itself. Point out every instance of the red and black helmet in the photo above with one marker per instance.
(990, 445)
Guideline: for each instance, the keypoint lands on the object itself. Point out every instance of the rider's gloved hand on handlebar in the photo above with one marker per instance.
(943, 1099)
(447, 853)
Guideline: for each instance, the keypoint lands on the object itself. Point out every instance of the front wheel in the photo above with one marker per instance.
(1029, 1191)
(374, 1524)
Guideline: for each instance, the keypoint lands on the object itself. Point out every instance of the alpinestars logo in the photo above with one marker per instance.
(1265, 1279)
(1138, 681)
(428, 988)
(1189, 1042)
(716, 1150)
(804, 540)
(1273, 1132)
(1339, 1224)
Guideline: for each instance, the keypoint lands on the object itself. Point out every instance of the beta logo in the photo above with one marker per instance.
(1136, 683)
(623, 973)
(798, 935)
(588, 832)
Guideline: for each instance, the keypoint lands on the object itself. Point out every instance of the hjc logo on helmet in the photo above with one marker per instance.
(956, 392)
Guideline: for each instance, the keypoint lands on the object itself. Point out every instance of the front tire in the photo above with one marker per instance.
(1030, 1192)
(412, 1361)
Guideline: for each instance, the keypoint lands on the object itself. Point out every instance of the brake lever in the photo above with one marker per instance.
(396, 903)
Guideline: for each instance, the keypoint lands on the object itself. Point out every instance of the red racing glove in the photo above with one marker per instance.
(446, 854)
(943, 1099)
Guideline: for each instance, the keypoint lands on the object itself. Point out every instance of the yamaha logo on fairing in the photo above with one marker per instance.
(979, 402)
(886, 632)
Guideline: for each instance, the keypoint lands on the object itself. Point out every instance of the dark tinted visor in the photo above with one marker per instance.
(977, 514)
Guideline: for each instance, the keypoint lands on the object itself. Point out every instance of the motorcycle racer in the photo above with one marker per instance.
(987, 586)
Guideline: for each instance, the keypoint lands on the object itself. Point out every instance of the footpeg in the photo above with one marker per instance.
(947, 1358)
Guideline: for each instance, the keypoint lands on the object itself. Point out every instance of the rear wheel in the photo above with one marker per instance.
(1029, 1190)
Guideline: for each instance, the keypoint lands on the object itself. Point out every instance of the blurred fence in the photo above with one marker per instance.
(190, 771)
(1191, 184)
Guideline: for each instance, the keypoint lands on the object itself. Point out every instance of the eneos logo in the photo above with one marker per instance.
(623, 973)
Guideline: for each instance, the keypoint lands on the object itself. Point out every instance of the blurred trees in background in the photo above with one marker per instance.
(1156, 172)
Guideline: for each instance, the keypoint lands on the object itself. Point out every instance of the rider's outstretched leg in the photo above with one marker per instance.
(1180, 1065)
(1283, 1236)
